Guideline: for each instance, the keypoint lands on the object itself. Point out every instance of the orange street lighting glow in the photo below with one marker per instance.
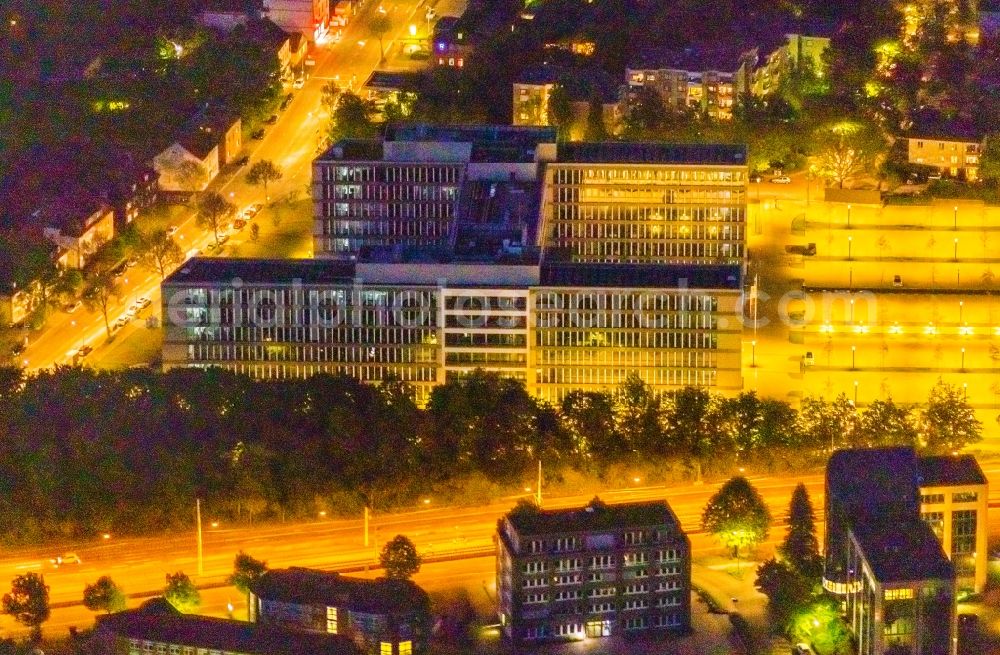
(828, 329)
(861, 329)
(930, 330)
(965, 330)
(895, 329)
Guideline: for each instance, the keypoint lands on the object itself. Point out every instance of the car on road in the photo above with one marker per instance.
(222, 239)
(172, 230)
(272, 119)
(756, 178)
(897, 281)
(142, 302)
(299, 83)
(120, 322)
(420, 55)
(808, 359)
(253, 209)
(808, 250)
(131, 262)
(73, 306)
(781, 179)
(80, 352)
(17, 349)
(257, 134)
(65, 558)
(119, 270)
(130, 312)
(286, 101)
(239, 224)
(242, 161)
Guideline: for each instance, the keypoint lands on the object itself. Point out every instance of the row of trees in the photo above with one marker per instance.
(83, 451)
(28, 600)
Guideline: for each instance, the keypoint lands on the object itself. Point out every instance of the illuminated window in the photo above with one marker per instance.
(331, 620)
(898, 594)
(406, 648)
(386, 648)
(965, 497)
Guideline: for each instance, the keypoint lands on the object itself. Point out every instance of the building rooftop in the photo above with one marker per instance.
(696, 58)
(580, 83)
(874, 484)
(903, 551)
(353, 150)
(214, 270)
(660, 276)
(595, 516)
(475, 134)
(311, 587)
(199, 143)
(221, 634)
(948, 471)
(653, 153)
(394, 80)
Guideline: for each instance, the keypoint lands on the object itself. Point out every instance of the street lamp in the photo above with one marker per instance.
(855, 393)
(853, 353)
(849, 241)
(963, 359)
(753, 354)
(848, 217)
(955, 217)
(961, 306)
(956, 249)
(852, 310)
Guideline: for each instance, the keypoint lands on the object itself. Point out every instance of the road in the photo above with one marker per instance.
(291, 143)
(463, 537)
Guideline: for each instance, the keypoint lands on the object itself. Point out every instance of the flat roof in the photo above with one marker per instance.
(874, 484)
(222, 634)
(353, 150)
(311, 587)
(949, 471)
(402, 80)
(477, 134)
(211, 270)
(595, 516)
(665, 276)
(616, 152)
(903, 551)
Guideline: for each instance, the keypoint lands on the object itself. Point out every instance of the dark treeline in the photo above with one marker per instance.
(83, 451)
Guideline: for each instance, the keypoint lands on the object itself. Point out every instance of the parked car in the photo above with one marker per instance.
(299, 83)
(172, 230)
(242, 161)
(807, 250)
(756, 178)
(130, 312)
(120, 322)
(81, 352)
(73, 306)
(119, 270)
(239, 224)
(142, 302)
(286, 101)
(897, 281)
(808, 359)
(131, 262)
(254, 209)
(257, 134)
(17, 349)
(781, 179)
(272, 119)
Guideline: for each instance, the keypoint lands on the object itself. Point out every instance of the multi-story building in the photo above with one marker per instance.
(646, 203)
(452, 42)
(888, 565)
(701, 80)
(798, 51)
(311, 18)
(953, 502)
(597, 571)
(954, 155)
(443, 250)
(533, 89)
(383, 616)
(158, 628)
(78, 225)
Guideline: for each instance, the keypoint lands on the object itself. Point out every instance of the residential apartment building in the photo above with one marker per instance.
(593, 572)
(443, 250)
(311, 18)
(704, 81)
(188, 164)
(157, 627)
(803, 51)
(954, 503)
(77, 225)
(953, 155)
(383, 616)
(452, 42)
(883, 555)
(534, 87)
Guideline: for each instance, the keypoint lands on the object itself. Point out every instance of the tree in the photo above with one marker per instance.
(104, 595)
(800, 547)
(181, 592)
(379, 26)
(213, 211)
(28, 602)
(692, 424)
(353, 118)
(786, 590)
(560, 111)
(261, 173)
(989, 161)
(246, 572)
(596, 129)
(847, 149)
(190, 174)
(737, 515)
(819, 624)
(948, 422)
(101, 288)
(828, 425)
(159, 252)
(399, 558)
(884, 423)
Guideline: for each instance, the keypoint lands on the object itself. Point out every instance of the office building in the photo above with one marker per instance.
(443, 250)
(157, 627)
(883, 555)
(383, 616)
(953, 502)
(593, 572)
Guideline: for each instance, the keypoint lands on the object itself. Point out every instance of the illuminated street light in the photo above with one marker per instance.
(965, 331)
(956, 249)
(930, 330)
(848, 217)
(855, 393)
(955, 217)
(963, 359)
(753, 353)
(849, 240)
(961, 307)
(826, 328)
(895, 329)
(853, 353)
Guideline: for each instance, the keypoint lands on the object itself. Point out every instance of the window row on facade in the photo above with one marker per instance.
(388, 228)
(439, 211)
(646, 174)
(375, 172)
(583, 376)
(294, 353)
(637, 213)
(388, 192)
(595, 341)
(659, 252)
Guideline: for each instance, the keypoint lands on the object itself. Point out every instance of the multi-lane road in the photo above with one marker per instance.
(291, 143)
(457, 541)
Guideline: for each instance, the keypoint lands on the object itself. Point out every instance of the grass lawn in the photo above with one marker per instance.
(137, 347)
(285, 232)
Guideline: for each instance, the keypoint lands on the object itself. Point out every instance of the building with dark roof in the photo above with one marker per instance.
(161, 629)
(383, 616)
(443, 249)
(889, 554)
(597, 571)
